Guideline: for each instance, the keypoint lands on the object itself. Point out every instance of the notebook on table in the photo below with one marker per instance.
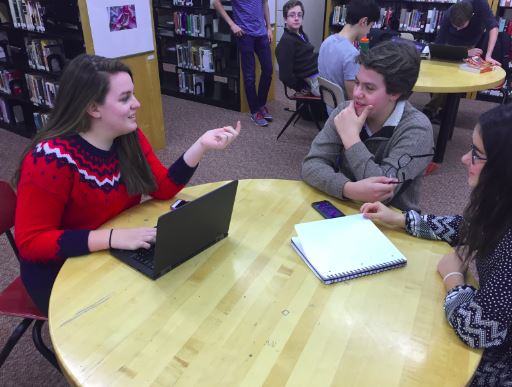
(340, 249)
(185, 232)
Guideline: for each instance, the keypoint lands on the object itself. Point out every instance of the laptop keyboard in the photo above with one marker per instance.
(145, 256)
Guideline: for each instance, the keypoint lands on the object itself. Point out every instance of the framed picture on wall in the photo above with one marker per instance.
(120, 27)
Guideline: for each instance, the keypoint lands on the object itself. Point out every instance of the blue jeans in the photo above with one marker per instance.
(260, 45)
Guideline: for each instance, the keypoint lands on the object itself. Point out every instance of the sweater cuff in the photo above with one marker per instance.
(179, 172)
(73, 243)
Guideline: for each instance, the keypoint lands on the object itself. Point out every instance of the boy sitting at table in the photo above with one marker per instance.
(377, 146)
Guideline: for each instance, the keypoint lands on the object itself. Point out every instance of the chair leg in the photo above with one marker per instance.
(15, 336)
(41, 346)
(313, 116)
(295, 114)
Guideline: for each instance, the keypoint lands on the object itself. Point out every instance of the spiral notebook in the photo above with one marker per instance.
(343, 248)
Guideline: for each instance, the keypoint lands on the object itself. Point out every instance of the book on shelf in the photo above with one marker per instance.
(11, 112)
(27, 14)
(40, 120)
(192, 24)
(195, 55)
(41, 91)
(11, 82)
(338, 250)
(5, 16)
(190, 83)
(476, 64)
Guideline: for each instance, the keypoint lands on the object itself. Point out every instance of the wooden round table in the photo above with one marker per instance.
(446, 77)
(248, 311)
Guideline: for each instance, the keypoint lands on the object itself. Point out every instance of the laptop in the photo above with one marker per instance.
(185, 232)
(447, 52)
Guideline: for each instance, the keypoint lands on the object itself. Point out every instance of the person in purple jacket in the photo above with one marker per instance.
(251, 27)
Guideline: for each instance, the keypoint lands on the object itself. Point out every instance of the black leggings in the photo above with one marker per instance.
(38, 279)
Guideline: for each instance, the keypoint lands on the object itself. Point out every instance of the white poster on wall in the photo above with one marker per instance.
(120, 27)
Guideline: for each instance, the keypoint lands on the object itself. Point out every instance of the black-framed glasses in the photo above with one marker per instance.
(403, 161)
(476, 156)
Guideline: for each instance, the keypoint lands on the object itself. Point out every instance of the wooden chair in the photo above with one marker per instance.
(14, 299)
(303, 103)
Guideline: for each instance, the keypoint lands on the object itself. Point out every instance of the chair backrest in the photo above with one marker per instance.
(406, 35)
(332, 94)
(7, 206)
(7, 211)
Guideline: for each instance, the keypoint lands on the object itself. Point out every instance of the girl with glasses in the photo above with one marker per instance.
(481, 318)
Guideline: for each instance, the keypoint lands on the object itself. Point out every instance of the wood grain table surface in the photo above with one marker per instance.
(248, 312)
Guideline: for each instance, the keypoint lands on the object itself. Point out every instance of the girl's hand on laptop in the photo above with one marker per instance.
(218, 138)
(133, 238)
(378, 211)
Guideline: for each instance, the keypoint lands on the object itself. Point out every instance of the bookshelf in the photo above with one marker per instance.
(421, 18)
(65, 22)
(198, 58)
(37, 38)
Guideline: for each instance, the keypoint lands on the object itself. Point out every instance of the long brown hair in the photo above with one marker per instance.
(85, 80)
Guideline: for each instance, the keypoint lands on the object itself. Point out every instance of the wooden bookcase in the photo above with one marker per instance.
(198, 58)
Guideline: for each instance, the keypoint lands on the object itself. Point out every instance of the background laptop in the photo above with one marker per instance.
(184, 232)
(447, 52)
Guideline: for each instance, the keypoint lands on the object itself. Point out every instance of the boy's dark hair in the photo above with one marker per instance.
(398, 63)
(357, 9)
(289, 5)
(460, 13)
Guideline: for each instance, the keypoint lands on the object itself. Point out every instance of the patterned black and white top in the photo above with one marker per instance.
(481, 318)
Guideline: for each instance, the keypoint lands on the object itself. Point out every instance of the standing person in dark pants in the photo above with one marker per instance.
(464, 24)
(251, 27)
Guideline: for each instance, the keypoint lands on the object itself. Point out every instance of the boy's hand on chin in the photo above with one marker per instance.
(349, 124)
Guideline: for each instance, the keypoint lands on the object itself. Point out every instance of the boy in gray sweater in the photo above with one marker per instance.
(376, 147)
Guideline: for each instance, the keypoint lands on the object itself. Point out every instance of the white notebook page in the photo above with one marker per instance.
(341, 245)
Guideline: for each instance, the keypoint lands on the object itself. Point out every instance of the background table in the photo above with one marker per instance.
(248, 311)
(446, 77)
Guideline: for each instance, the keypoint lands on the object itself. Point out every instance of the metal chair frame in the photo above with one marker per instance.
(25, 307)
(303, 102)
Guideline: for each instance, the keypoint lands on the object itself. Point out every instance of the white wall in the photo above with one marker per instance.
(313, 22)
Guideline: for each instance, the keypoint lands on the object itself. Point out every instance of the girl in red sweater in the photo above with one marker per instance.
(91, 163)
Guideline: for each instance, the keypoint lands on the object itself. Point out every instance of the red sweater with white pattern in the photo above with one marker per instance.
(68, 187)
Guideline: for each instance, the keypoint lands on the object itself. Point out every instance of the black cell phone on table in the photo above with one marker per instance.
(327, 209)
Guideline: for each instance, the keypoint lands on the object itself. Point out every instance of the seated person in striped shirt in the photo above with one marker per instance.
(481, 318)
(89, 164)
(295, 54)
